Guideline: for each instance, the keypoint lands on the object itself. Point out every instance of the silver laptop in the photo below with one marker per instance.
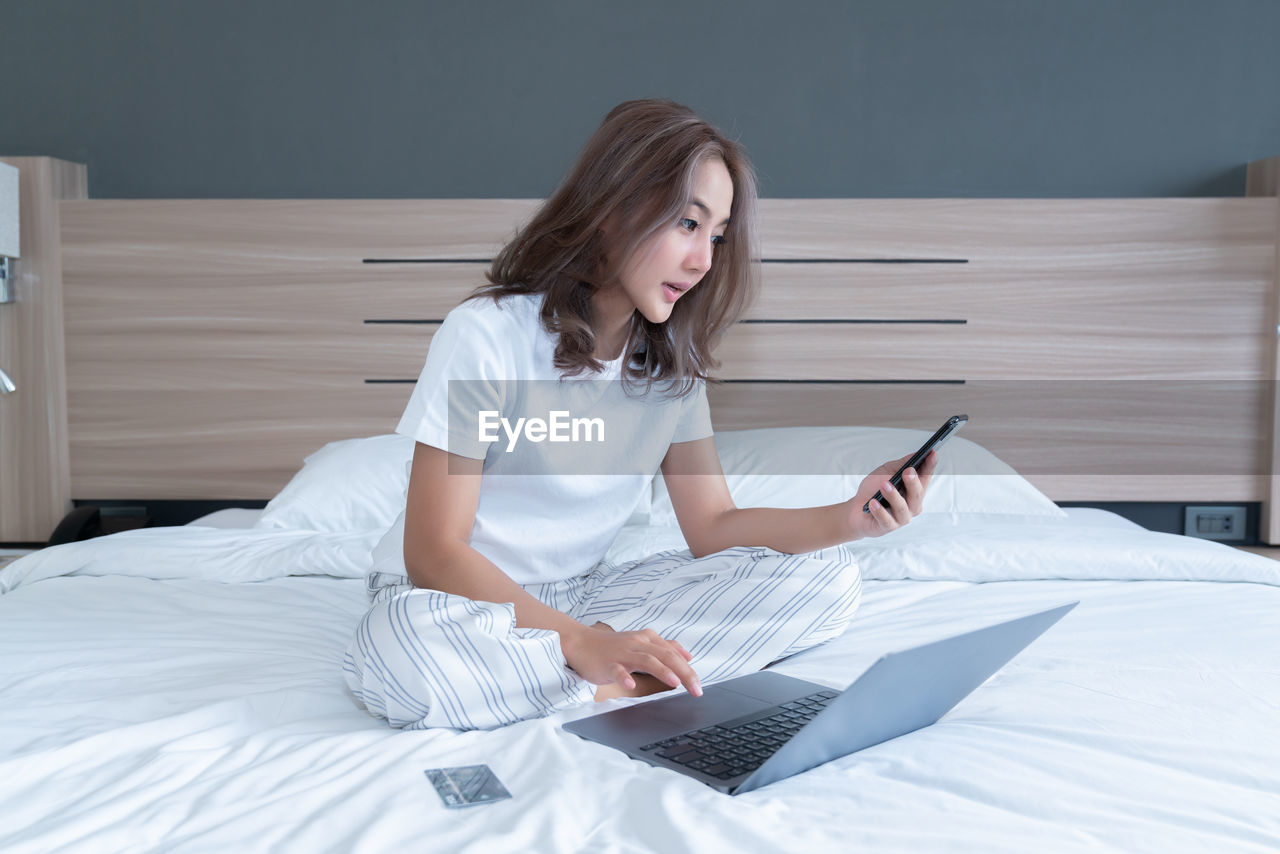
(754, 730)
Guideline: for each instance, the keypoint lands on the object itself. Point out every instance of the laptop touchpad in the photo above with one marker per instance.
(714, 706)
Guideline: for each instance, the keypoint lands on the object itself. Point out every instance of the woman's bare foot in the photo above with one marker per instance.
(645, 685)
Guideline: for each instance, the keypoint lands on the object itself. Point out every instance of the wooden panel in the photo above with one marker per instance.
(354, 295)
(1049, 233)
(237, 236)
(1263, 180)
(168, 297)
(136, 353)
(128, 354)
(1059, 299)
(219, 443)
(1156, 296)
(1103, 429)
(35, 477)
(263, 435)
(980, 351)
(144, 330)
(1194, 489)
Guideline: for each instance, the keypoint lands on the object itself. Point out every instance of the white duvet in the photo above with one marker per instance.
(180, 689)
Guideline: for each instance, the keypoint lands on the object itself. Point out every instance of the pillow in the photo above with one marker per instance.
(813, 466)
(228, 518)
(351, 485)
(358, 484)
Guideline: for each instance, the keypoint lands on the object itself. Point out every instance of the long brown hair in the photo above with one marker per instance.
(637, 171)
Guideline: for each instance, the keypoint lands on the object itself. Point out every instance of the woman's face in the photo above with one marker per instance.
(675, 259)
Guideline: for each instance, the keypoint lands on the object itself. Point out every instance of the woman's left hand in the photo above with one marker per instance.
(903, 504)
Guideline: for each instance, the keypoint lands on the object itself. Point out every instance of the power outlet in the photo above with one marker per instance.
(1215, 523)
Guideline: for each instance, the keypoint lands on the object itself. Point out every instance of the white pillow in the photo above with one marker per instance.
(813, 466)
(228, 518)
(358, 484)
(351, 485)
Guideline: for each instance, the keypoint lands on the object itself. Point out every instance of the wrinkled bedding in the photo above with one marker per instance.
(180, 689)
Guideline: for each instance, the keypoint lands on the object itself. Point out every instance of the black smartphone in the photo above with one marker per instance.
(952, 424)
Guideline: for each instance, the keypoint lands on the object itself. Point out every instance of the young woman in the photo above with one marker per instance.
(491, 601)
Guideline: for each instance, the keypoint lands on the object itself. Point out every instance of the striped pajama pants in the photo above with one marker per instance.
(421, 658)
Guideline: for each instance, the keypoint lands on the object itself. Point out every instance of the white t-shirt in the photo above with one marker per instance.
(552, 498)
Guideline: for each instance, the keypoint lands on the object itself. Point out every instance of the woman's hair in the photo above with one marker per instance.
(636, 172)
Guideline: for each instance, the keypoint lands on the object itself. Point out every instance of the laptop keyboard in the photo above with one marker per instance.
(726, 752)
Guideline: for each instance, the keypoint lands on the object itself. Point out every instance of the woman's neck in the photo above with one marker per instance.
(612, 312)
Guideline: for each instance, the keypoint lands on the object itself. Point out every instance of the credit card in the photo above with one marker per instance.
(467, 786)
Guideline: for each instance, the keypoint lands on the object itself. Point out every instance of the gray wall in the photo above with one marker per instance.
(901, 98)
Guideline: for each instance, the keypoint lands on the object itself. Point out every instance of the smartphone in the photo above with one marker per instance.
(952, 424)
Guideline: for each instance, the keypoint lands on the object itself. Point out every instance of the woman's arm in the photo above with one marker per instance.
(444, 492)
(440, 511)
(711, 522)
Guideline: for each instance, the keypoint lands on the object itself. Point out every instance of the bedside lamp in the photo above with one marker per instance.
(8, 247)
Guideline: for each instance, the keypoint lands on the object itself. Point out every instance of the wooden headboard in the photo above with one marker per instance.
(1110, 349)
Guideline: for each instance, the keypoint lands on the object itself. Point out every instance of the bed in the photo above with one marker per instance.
(179, 688)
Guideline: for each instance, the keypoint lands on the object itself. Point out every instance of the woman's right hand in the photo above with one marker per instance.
(602, 657)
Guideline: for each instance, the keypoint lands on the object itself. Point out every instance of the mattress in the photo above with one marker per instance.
(180, 689)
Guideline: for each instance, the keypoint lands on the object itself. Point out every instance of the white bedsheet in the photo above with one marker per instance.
(173, 689)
